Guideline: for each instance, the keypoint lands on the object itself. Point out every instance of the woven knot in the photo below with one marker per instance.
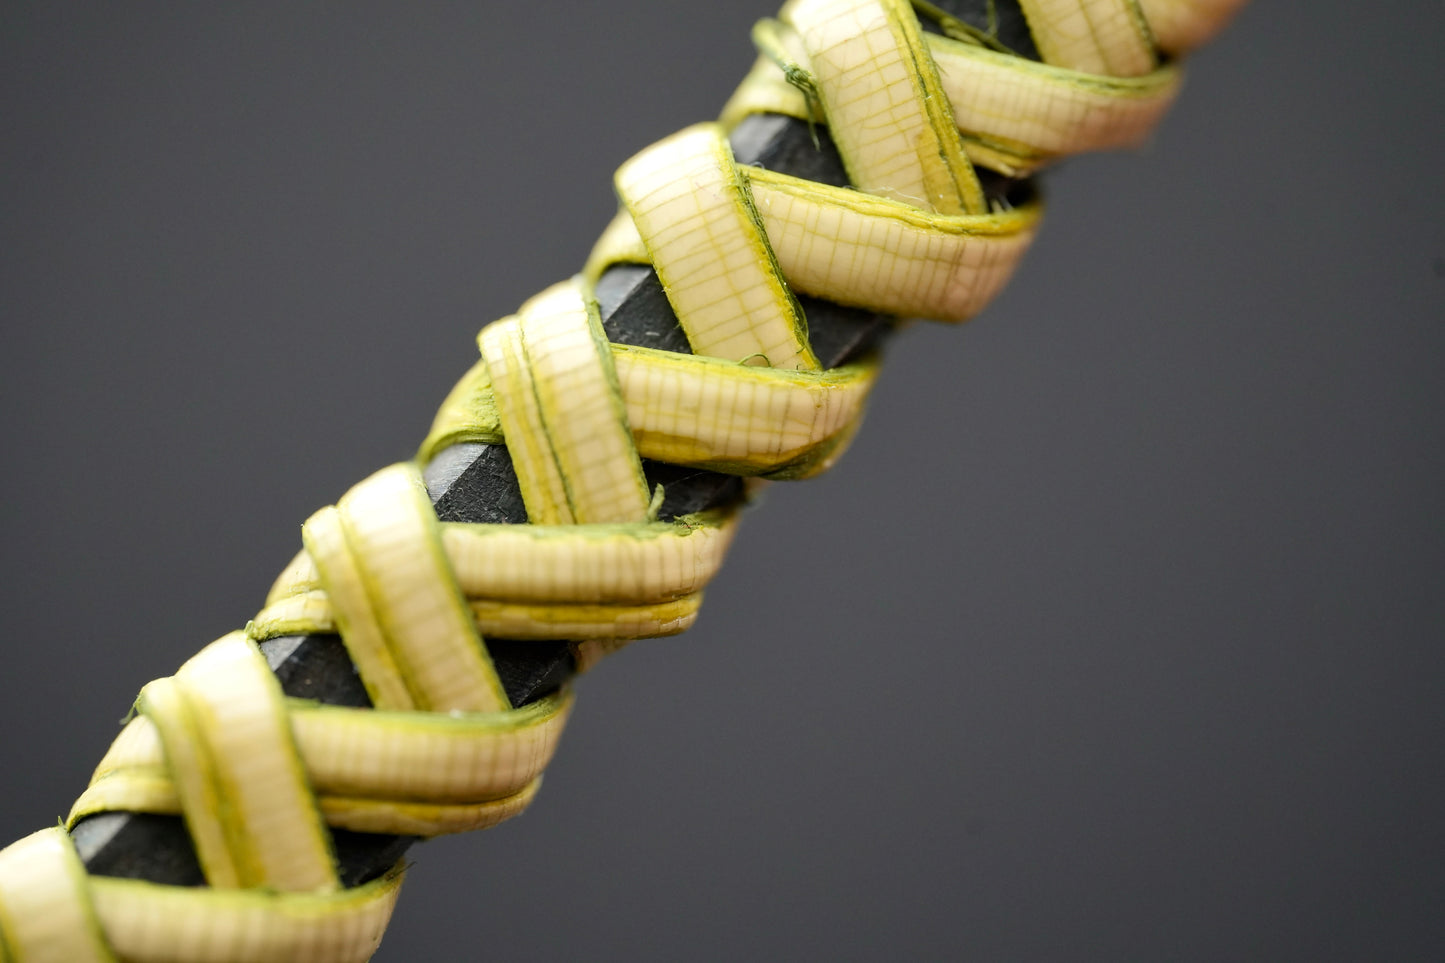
(929, 115)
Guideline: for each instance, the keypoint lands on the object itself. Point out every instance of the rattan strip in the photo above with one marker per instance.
(259, 777)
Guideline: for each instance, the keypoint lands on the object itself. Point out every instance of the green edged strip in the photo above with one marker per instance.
(469, 414)
(892, 123)
(578, 401)
(240, 781)
(173, 924)
(46, 914)
(714, 414)
(706, 241)
(416, 610)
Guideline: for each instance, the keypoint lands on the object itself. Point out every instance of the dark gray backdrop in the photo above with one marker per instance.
(1115, 636)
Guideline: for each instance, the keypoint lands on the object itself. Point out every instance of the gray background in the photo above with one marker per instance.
(1115, 635)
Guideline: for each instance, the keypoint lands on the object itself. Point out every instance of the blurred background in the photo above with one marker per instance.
(1116, 634)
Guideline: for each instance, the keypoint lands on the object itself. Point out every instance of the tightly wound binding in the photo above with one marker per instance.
(869, 166)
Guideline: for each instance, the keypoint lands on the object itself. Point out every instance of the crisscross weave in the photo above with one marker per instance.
(262, 779)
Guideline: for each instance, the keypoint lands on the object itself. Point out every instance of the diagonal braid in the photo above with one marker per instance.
(934, 119)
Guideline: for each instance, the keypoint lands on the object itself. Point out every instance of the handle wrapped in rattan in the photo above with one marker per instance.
(722, 330)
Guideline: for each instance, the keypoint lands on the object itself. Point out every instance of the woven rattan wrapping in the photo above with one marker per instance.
(261, 780)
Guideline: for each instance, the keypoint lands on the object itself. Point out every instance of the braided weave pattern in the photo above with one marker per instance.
(261, 780)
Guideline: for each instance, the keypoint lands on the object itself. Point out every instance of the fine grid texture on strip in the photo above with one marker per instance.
(721, 329)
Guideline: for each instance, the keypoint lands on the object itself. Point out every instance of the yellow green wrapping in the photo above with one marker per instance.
(262, 780)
